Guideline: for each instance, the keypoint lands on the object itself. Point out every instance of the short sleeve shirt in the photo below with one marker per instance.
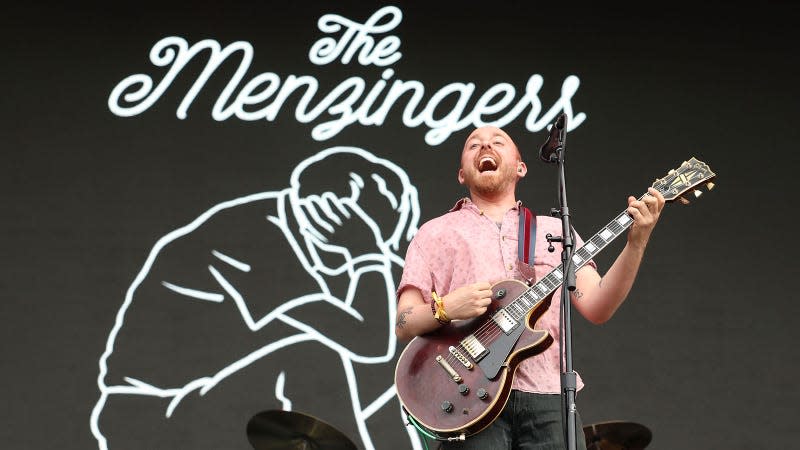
(465, 246)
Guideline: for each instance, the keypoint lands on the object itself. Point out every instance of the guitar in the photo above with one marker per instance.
(455, 381)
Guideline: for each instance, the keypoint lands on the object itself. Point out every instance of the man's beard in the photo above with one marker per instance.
(496, 183)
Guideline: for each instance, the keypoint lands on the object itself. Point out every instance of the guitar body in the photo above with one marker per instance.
(449, 402)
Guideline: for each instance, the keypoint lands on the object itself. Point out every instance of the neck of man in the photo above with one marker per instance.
(495, 206)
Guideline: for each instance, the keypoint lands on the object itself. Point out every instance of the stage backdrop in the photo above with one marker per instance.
(206, 208)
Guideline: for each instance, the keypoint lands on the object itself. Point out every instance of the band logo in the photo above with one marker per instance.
(353, 100)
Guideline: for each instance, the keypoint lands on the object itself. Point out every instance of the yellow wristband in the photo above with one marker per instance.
(440, 315)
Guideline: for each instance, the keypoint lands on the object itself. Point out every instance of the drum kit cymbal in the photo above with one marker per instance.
(617, 435)
(290, 430)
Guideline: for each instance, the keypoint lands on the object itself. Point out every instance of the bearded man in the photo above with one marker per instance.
(456, 257)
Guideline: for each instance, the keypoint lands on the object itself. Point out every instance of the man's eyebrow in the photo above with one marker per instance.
(493, 136)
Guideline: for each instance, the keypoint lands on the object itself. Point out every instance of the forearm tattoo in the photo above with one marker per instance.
(578, 294)
(401, 318)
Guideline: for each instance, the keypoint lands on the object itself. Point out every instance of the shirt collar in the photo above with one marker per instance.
(465, 201)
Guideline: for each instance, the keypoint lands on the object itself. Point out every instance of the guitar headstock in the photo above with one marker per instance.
(688, 177)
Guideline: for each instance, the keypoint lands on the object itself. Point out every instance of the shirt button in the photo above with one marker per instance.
(510, 267)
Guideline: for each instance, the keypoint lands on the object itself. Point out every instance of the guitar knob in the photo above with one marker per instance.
(447, 406)
(482, 394)
(463, 389)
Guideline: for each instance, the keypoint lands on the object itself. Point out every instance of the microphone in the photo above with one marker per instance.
(554, 140)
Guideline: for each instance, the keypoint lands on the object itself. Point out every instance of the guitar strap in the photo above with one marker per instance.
(527, 235)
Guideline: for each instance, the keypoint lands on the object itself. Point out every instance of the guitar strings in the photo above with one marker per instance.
(489, 330)
(514, 313)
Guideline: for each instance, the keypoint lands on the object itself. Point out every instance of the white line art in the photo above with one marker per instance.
(238, 264)
(208, 296)
(341, 246)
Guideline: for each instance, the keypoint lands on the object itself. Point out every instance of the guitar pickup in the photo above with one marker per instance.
(504, 320)
(474, 347)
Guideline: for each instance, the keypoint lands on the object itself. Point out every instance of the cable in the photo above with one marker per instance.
(421, 430)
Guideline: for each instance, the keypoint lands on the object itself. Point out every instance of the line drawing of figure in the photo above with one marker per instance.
(276, 300)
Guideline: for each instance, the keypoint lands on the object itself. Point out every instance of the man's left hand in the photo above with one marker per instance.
(645, 213)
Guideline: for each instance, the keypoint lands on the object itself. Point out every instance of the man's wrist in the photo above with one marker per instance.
(439, 312)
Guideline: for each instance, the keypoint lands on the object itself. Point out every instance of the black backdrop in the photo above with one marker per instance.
(702, 352)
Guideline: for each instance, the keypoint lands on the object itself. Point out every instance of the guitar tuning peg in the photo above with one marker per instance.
(710, 185)
(671, 171)
(684, 200)
(697, 193)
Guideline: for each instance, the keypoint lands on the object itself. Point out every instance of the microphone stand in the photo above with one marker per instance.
(553, 152)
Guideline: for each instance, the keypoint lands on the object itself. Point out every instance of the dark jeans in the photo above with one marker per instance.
(528, 421)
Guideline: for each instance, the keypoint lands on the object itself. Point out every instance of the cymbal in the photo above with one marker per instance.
(276, 429)
(617, 435)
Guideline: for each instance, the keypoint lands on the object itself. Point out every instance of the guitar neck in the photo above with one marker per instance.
(580, 257)
(678, 181)
(601, 239)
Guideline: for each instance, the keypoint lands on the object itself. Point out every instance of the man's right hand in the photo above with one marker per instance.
(468, 301)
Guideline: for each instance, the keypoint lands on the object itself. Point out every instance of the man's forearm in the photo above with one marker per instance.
(414, 316)
(598, 298)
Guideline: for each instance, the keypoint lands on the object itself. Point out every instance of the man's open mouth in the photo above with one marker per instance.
(486, 164)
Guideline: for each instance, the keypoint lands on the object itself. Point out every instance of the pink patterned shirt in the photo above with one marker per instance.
(463, 247)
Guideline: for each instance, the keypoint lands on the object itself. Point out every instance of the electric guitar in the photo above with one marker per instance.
(455, 381)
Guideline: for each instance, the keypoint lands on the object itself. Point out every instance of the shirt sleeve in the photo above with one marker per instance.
(416, 272)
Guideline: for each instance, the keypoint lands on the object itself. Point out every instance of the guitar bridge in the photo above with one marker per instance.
(461, 358)
(449, 369)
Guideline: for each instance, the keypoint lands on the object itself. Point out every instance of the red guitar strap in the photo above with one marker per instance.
(527, 235)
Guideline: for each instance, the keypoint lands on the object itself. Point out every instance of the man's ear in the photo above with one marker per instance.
(522, 169)
(460, 176)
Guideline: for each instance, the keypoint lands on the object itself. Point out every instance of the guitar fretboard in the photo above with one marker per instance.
(550, 282)
(690, 174)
